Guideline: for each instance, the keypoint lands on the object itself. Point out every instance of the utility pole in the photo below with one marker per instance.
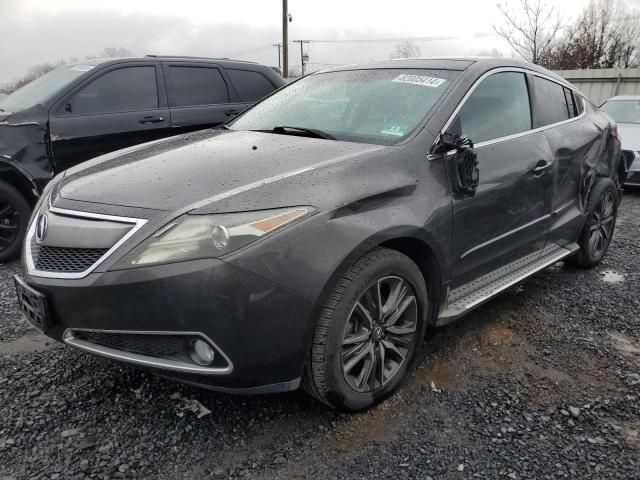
(279, 46)
(303, 58)
(285, 39)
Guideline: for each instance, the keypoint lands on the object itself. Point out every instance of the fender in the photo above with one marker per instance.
(15, 174)
(396, 233)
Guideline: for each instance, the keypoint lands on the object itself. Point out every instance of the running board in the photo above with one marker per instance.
(467, 297)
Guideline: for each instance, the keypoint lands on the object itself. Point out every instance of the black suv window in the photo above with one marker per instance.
(498, 107)
(196, 86)
(251, 86)
(123, 90)
(551, 102)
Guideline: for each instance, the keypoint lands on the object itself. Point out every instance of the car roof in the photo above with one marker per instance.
(480, 64)
(624, 97)
(153, 58)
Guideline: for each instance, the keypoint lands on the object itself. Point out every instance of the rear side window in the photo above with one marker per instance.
(551, 102)
(579, 103)
(251, 86)
(123, 90)
(188, 86)
(571, 106)
(498, 107)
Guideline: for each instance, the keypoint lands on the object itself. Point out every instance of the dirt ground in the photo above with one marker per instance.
(540, 383)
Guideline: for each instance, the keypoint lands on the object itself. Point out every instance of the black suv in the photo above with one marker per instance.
(84, 110)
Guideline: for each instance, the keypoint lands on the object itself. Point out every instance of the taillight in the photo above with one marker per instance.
(615, 134)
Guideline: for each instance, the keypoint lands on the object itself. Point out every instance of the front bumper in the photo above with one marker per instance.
(633, 175)
(261, 327)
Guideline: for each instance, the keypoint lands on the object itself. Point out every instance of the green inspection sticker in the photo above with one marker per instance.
(394, 129)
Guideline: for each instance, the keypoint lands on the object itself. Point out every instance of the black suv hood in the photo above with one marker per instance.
(204, 168)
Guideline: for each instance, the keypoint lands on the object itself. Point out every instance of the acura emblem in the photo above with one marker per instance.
(41, 227)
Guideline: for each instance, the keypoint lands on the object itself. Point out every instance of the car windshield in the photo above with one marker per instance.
(42, 88)
(623, 111)
(371, 106)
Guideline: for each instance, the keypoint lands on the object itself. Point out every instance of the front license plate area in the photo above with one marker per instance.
(33, 305)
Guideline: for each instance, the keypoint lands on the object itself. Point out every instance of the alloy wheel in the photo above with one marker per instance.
(379, 333)
(602, 224)
(9, 223)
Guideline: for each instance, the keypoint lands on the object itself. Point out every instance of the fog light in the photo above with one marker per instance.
(202, 353)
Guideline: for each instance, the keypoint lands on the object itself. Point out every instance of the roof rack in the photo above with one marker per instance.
(196, 58)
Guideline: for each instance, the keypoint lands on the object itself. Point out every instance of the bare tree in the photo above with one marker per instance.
(530, 28)
(405, 49)
(40, 69)
(605, 35)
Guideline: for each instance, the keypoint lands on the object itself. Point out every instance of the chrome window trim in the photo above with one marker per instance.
(146, 360)
(519, 134)
(33, 271)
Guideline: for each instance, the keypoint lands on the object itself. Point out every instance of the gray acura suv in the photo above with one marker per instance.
(314, 239)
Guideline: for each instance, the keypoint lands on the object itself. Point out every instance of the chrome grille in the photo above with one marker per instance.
(73, 243)
(62, 259)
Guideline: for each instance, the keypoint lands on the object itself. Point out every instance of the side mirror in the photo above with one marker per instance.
(67, 108)
(464, 162)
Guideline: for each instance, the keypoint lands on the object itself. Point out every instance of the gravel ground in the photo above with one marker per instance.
(542, 382)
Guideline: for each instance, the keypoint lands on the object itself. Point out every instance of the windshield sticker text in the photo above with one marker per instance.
(81, 68)
(394, 129)
(419, 80)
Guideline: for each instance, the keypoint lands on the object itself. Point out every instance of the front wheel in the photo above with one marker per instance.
(369, 332)
(14, 216)
(601, 213)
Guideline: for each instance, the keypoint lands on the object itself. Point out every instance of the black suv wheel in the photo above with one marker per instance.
(368, 333)
(14, 216)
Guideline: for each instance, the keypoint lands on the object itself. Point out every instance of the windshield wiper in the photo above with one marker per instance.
(310, 132)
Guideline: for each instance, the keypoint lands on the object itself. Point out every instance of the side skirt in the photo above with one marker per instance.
(473, 294)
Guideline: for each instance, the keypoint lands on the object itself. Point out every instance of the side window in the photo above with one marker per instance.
(568, 95)
(251, 86)
(579, 103)
(498, 107)
(551, 102)
(123, 90)
(188, 86)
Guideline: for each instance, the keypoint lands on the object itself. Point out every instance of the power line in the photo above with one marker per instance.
(401, 39)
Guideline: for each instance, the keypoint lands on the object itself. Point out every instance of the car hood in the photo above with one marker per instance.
(203, 168)
(630, 134)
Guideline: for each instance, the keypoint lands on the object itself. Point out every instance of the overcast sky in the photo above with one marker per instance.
(38, 31)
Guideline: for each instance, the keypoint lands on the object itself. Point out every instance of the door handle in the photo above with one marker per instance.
(232, 113)
(541, 166)
(151, 119)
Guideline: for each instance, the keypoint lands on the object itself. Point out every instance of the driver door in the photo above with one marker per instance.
(509, 214)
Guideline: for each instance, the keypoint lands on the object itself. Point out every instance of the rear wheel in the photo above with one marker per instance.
(368, 334)
(14, 216)
(601, 213)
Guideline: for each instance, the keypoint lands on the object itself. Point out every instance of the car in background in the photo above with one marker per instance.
(625, 110)
(313, 240)
(81, 111)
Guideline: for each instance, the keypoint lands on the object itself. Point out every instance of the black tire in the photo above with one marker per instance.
(600, 220)
(392, 274)
(14, 217)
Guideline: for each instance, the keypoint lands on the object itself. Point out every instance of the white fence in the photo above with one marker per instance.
(604, 83)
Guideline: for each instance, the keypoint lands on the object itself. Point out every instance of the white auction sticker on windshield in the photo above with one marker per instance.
(419, 80)
(81, 68)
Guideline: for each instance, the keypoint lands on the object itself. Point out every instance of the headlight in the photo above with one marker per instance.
(207, 236)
